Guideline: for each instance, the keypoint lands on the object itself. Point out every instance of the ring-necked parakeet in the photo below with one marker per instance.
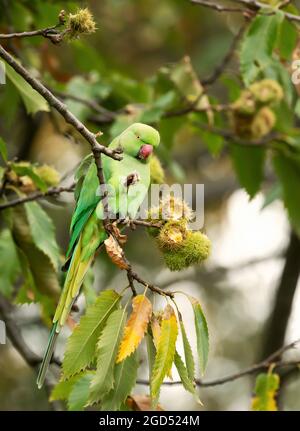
(129, 176)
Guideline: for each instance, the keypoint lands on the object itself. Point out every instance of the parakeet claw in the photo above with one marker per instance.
(128, 222)
(132, 179)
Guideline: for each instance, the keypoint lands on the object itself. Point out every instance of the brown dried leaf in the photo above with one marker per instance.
(115, 252)
(118, 235)
(141, 403)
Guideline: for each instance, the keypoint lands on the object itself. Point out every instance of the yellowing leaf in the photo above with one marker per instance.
(136, 326)
(156, 330)
(165, 351)
(115, 252)
(266, 387)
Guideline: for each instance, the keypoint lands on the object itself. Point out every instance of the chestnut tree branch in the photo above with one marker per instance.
(249, 6)
(55, 103)
(53, 191)
(272, 360)
(219, 8)
(50, 33)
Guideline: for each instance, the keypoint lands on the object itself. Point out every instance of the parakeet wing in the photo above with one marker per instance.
(87, 200)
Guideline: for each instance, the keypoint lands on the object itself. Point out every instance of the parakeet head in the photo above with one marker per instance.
(139, 140)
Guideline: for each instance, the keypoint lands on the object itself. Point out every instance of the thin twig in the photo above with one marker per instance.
(227, 58)
(54, 191)
(15, 336)
(265, 364)
(140, 223)
(250, 5)
(258, 5)
(48, 33)
(18, 342)
(154, 289)
(108, 115)
(216, 6)
(60, 107)
(233, 139)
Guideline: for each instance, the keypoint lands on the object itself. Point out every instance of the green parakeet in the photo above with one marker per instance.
(129, 177)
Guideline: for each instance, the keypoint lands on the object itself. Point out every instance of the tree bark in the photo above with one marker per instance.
(284, 297)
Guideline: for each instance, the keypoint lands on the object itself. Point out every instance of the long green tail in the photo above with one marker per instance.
(82, 257)
(48, 356)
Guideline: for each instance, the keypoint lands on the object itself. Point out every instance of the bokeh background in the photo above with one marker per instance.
(238, 285)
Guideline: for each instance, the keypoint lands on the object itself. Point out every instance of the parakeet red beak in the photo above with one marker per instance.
(145, 151)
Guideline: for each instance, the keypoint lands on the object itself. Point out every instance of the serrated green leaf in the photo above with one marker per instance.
(183, 374)
(125, 374)
(202, 334)
(3, 149)
(79, 392)
(266, 387)
(41, 282)
(62, 389)
(188, 354)
(107, 349)
(165, 352)
(248, 164)
(43, 232)
(81, 345)
(258, 44)
(287, 39)
(9, 263)
(29, 292)
(150, 352)
(33, 101)
(288, 171)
